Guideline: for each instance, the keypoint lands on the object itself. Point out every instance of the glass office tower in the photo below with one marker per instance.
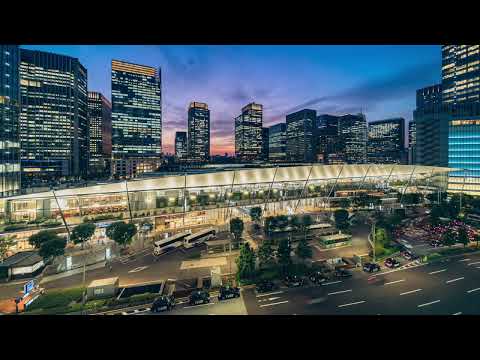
(198, 132)
(248, 133)
(181, 145)
(53, 118)
(9, 120)
(300, 135)
(386, 141)
(136, 118)
(328, 148)
(99, 134)
(412, 139)
(460, 73)
(352, 131)
(265, 146)
(277, 142)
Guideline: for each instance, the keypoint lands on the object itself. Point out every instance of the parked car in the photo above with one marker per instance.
(163, 303)
(436, 243)
(408, 255)
(293, 281)
(265, 286)
(228, 292)
(391, 263)
(342, 273)
(199, 297)
(317, 277)
(371, 267)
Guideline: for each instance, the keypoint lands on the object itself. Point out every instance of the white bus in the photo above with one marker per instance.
(199, 238)
(170, 243)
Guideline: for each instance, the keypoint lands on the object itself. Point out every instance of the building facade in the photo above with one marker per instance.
(300, 140)
(198, 132)
(53, 118)
(9, 120)
(352, 130)
(460, 74)
(265, 143)
(328, 148)
(412, 139)
(248, 133)
(277, 143)
(386, 141)
(136, 119)
(181, 146)
(99, 135)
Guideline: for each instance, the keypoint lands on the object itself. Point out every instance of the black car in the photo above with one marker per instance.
(371, 267)
(342, 273)
(199, 297)
(391, 263)
(228, 292)
(293, 281)
(265, 286)
(436, 243)
(163, 303)
(408, 255)
(317, 277)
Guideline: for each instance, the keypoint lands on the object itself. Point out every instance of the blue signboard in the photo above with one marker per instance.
(28, 287)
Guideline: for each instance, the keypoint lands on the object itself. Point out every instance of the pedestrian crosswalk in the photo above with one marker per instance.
(271, 299)
(411, 264)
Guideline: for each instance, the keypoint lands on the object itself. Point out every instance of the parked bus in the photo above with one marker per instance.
(199, 238)
(170, 243)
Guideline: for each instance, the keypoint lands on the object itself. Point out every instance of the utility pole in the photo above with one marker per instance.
(373, 240)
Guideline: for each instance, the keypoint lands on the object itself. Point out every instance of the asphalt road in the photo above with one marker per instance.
(446, 288)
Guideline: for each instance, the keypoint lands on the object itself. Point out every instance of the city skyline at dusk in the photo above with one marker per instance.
(378, 80)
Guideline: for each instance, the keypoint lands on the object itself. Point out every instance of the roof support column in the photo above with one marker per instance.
(363, 181)
(61, 214)
(184, 199)
(303, 190)
(128, 201)
(267, 198)
(335, 183)
(230, 210)
(408, 184)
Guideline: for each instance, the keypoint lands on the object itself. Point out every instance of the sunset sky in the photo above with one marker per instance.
(379, 80)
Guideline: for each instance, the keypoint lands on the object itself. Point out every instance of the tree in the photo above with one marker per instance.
(53, 247)
(121, 232)
(256, 214)
(284, 254)
(36, 240)
(449, 238)
(82, 233)
(245, 262)
(477, 239)
(435, 214)
(305, 222)
(6, 242)
(236, 228)
(304, 250)
(462, 236)
(265, 253)
(341, 219)
(344, 203)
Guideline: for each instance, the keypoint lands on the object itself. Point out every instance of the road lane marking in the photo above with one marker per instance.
(394, 282)
(453, 280)
(273, 293)
(195, 306)
(316, 301)
(277, 303)
(410, 292)
(269, 299)
(350, 304)
(429, 303)
(436, 272)
(339, 292)
(470, 291)
(474, 263)
(333, 282)
(465, 259)
(458, 313)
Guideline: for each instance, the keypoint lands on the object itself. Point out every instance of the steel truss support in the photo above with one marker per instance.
(303, 190)
(61, 214)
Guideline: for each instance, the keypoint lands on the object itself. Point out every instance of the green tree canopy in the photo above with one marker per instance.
(284, 253)
(341, 219)
(246, 262)
(121, 232)
(82, 233)
(344, 203)
(41, 237)
(236, 228)
(265, 253)
(303, 249)
(53, 247)
(462, 236)
(256, 213)
(449, 238)
(6, 242)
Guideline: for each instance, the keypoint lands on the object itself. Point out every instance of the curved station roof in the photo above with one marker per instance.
(315, 172)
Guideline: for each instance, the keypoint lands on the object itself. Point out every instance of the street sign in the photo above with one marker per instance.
(28, 287)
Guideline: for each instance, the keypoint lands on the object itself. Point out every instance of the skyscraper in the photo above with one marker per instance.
(198, 132)
(99, 134)
(412, 139)
(136, 118)
(460, 73)
(300, 135)
(352, 130)
(386, 141)
(181, 148)
(265, 146)
(9, 120)
(328, 148)
(248, 133)
(53, 118)
(277, 142)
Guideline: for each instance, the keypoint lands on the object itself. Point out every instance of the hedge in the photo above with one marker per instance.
(61, 298)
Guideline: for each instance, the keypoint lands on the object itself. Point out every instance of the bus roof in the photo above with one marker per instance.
(200, 233)
(170, 238)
